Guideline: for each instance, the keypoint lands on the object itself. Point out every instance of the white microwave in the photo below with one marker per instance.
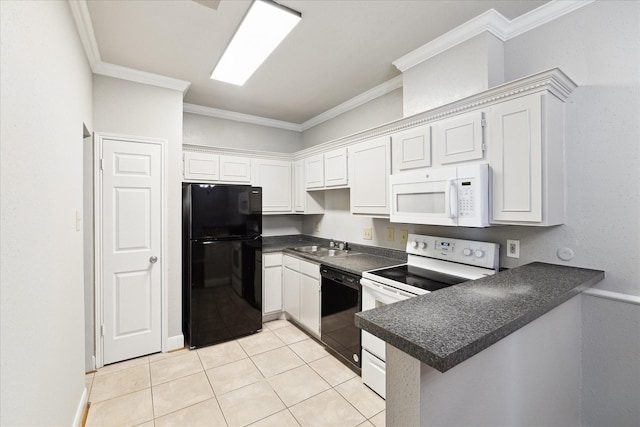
(457, 196)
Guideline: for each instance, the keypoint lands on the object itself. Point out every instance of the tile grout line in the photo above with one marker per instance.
(215, 396)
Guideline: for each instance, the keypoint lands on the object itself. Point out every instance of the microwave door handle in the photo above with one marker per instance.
(453, 199)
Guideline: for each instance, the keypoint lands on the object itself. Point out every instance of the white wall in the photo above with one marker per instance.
(381, 110)
(464, 70)
(599, 47)
(215, 132)
(46, 98)
(129, 108)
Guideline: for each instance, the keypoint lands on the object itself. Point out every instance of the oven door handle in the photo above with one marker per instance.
(386, 290)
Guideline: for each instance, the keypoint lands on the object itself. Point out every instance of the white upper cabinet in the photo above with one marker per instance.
(314, 172)
(328, 170)
(274, 176)
(216, 168)
(201, 166)
(335, 168)
(370, 166)
(235, 169)
(526, 138)
(305, 202)
(411, 149)
(459, 138)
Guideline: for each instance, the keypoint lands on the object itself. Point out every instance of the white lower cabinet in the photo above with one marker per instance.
(271, 283)
(301, 293)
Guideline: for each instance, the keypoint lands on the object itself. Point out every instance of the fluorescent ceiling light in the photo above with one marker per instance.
(264, 26)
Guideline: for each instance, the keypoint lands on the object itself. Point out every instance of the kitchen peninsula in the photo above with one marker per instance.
(501, 350)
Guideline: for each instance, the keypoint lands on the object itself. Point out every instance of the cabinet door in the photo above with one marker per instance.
(235, 169)
(291, 292)
(201, 166)
(298, 187)
(272, 282)
(335, 168)
(310, 304)
(370, 170)
(459, 138)
(274, 176)
(516, 159)
(411, 149)
(314, 172)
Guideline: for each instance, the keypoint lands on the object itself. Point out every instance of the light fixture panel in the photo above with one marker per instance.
(264, 26)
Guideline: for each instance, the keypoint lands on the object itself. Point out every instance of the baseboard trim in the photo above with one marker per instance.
(614, 296)
(82, 409)
(175, 342)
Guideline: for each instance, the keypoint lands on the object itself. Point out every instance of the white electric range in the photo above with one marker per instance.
(432, 263)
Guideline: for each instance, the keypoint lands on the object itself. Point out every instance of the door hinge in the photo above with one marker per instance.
(484, 147)
(483, 122)
(101, 163)
(102, 330)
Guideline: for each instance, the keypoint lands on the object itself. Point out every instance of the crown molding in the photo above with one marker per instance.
(81, 16)
(124, 73)
(363, 98)
(80, 12)
(493, 22)
(544, 14)
(240, 117)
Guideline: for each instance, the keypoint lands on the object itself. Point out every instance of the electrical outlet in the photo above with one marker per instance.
(513, 248)
(391, 234)
(366, 233)
(404, 235)
(317, 226)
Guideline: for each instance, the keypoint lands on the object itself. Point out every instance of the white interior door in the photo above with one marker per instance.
(131, 248)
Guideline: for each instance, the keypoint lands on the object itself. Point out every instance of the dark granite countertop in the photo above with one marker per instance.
(361, 257)
(446, 327)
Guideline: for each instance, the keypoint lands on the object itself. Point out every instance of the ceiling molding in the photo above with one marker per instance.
(80, 12)
(120, 72)
(493, 22)
(240, 117)
(543, 14)
(363, 98)
(81, 16)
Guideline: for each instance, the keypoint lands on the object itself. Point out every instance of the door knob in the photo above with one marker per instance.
(153, 259)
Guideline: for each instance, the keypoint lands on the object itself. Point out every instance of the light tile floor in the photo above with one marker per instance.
(278, 377)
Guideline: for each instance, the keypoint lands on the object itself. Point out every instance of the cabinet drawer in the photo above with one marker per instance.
(291, 262)
(374, 373)
(310, 269)
(272, 260)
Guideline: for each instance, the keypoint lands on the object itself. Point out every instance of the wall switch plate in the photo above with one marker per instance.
(513, 248)
(390, 234)
(367, 234)
(404, 235)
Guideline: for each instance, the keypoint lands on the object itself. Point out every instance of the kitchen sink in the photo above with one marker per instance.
(323, 251)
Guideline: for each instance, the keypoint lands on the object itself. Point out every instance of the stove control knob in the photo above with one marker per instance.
(414, 244)
(467, 251)
(423, 245)
(478, 253)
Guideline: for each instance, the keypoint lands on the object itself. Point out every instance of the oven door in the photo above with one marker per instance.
(428, 197)
(376, 295)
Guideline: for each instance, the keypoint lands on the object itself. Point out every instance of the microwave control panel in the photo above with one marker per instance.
(466, 190)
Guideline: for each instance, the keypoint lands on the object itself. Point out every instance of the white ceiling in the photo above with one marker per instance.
(339, 50)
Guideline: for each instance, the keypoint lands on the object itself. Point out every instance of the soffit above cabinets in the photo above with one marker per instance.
(339, 50)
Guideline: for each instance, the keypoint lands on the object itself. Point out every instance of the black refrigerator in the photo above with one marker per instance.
(221, 259)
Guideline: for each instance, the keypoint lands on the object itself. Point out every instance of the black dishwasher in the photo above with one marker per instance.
(341, 300)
